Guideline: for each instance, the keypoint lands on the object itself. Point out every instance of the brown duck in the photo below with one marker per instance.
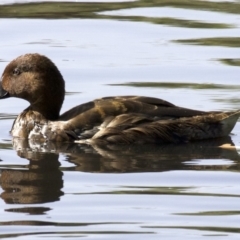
(116, 120)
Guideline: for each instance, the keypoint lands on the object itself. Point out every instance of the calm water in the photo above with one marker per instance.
(185, 53)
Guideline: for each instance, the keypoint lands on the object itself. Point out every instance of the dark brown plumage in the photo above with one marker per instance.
(125, 120)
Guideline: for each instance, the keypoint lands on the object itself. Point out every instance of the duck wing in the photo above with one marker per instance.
(73, 112)
(94, 113)
(127, 129)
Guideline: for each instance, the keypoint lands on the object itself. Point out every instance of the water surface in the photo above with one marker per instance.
(185, 53)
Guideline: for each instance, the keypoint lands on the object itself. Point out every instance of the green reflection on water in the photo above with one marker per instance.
(231, 62)
(170, 21)
(179, 85)
(211, 213)
(186, 191)
(7, 116)
(71, 93)
(217, 41)
(207, 228)
(228, 100)
(6, 145)
(59, 10)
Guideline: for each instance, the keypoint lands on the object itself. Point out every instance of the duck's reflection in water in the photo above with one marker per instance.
(153, 158)
(42, 180)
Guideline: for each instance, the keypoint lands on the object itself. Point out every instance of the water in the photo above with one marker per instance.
(176, 192)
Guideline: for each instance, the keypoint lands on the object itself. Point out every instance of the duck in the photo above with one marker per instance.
(108, 120)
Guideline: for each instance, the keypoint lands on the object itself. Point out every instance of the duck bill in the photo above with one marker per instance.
(3, 93)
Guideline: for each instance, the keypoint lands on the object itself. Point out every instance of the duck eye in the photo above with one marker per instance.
(16, 71)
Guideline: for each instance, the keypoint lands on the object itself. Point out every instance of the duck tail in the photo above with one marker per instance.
(229, 121)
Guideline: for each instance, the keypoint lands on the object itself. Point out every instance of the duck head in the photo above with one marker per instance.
(35, 78)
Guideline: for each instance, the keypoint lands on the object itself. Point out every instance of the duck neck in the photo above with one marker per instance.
(46, 110)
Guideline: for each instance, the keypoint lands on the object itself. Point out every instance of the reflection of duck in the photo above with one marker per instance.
(127, 119)
(42, 182)
(135, 158)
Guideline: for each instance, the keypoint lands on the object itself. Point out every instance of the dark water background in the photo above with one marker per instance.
(186, 52)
